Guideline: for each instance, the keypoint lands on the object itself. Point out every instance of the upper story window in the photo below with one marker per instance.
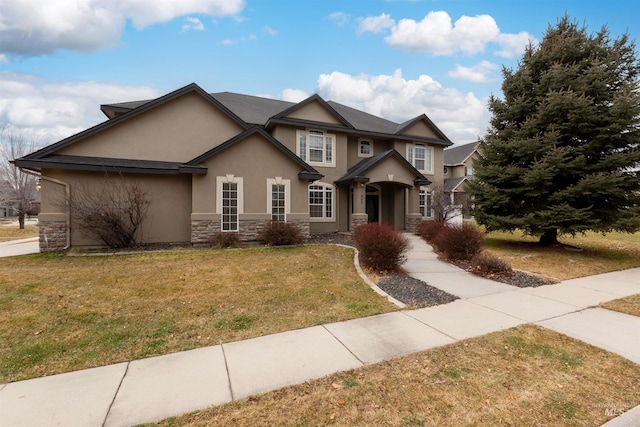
(365, 148)
(421, 157)
(446, 170)
(316, 147)
(469, 171)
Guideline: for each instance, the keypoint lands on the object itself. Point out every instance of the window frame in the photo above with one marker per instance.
(425, 202)
(304, 149)
(287, 196)
(324, 189)
(361, 144)
(428, 159)
(220, 208)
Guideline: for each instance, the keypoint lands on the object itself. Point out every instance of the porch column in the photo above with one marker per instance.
(359, 214)
(414, 217)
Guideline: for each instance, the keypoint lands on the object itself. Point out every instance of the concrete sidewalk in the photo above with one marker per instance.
(19, 247)
(152, 389)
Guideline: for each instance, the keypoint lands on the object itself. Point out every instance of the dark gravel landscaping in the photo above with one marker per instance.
(413, 292)
(416, 293)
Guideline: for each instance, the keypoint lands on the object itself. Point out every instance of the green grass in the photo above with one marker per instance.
(61, 313)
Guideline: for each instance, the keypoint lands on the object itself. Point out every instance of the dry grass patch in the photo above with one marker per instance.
(61, 313)
(598, 254)
(13, 232)
(628, 305)
(524, 376)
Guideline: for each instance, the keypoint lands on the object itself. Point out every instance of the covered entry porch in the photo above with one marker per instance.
(384, 189)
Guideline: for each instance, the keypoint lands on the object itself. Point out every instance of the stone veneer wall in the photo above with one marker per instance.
(356, 222)
(53, 236)
(413, 224)
(202, 230)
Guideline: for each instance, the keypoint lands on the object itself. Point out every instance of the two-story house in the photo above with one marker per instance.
(227, 162)
(458, 167)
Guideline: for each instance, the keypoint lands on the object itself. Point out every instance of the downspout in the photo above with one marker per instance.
(67, 194)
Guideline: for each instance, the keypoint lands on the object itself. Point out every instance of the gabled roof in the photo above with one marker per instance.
(457, 155)
(307, 172)
(313, 98)
(358, 173)
(257, 110)
(144, 107)
(421, 118)
(452, 184)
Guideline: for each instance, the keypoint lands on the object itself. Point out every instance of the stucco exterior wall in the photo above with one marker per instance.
(316, 112)
(179, 130)
(167, 218)
(421, 129)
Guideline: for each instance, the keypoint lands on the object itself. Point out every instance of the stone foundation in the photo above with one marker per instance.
(355, 222)
(413, 224)
(202, 230)
(53, 236)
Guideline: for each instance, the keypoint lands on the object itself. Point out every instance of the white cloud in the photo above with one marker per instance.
(340, 18)
(231, 42)
(271, 31)
(50, 111)
(293, 95)
(375, 24)
(461, 116)
(436, 35)
(479, 73)
(41, 27)
(191, 23)
(514, 44)
(4, 59)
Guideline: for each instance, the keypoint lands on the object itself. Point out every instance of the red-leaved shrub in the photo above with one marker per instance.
(429, 230)
(278, 233)
(460, 243)
(381, 247)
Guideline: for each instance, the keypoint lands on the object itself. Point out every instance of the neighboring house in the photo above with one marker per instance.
(458, 167)
(226, 162)
(8, 201)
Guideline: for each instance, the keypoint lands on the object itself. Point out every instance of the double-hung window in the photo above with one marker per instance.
(365, 148)
(320, 202)
(316, 147)
(425, 202)
(278, 198)
(421, 157)
(229, 202)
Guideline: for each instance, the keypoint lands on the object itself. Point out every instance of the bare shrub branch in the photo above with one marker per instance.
(113, 213)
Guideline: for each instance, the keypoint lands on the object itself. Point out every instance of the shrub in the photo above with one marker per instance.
(460, 243)
(278, 233)
(222, 240)
(485, 264)
(429, 230)
(381, 247)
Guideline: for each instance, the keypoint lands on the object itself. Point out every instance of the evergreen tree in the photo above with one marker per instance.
(562, 153)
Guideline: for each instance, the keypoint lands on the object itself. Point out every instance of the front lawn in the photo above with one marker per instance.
(61, 313)
(587, 255)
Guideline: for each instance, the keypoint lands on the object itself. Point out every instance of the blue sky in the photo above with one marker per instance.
(60, 59)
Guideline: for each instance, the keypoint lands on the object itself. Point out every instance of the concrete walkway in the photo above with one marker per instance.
(153, 389)
(19, 247)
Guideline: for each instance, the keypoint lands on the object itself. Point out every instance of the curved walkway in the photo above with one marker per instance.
(156, 388)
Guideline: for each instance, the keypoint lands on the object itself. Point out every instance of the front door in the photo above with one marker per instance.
(373, 204)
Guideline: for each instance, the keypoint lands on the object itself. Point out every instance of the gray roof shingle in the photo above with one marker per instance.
(456, 155)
